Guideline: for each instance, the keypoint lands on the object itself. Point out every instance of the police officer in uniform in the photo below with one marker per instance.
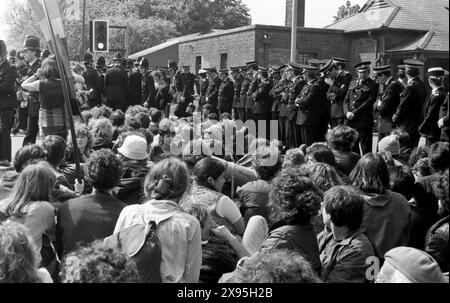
(243, 93)
(310, 104)
(263, 103)
(135, 85)
(187, 80)
(32, 52)
(148, 97)
(236, 77)
(204, 83)
(409, 114)
(339, 81)
(279, 85)
(212, 94)
(92, 79)
(402, 75)
(294, 73)
(253, 71)
(358, 106)
(116, 84)
(429, 127)
(388, 99)
(8, 74)
(226, 93)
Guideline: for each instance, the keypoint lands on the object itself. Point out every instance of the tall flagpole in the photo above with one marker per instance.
(57, 46)
(294, 31)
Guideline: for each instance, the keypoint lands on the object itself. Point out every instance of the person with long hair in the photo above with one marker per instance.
(47, 83)
(19, 258)
(209, 178)
(179, 233)
(387, 214)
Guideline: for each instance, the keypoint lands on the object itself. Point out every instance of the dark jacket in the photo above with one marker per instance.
(345, 261)
(226, 95)
(437, 243)
(237, 92)
(204, 83)
(253, 87)
(429, 127)
(310, 105)
(294, 90)
(188, 82)
(346, 160)
(359, 100)
(276, 94)
(92, 80)
(213, 91)
(148, 89)
(262, 99)
(130, 188)
(116, 85)
(135, 88)
(300, 238)
(388, 103)
(409, 114)
(340, 89)
(33, 100)
(86, 219)
(443, 114)
(254, 199)
(8, 75)
(163, 97)
(387, 220)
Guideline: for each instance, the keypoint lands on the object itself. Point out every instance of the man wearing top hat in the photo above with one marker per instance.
(388, 99)
(32, 52)
(253, 71)
(186, 95)
(92, 79)
(116, 84)
(358, 107)
(429, 127)
(213, 88)
(339, 81)
(263, 103)
(226, 93)
(148, 95)
(8, 74)
(310, 105)
(409, 114)
(294, 74)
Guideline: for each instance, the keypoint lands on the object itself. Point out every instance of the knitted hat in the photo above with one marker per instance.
(134, 148)
(416, 265)
(390, 144)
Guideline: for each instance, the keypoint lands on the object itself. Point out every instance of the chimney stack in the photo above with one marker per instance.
(300, 12)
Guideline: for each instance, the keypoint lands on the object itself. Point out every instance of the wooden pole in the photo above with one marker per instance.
(294, 31)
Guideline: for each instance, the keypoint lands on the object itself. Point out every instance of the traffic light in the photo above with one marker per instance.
(100, 36)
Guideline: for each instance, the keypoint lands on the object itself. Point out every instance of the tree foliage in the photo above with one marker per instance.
(149, 22)
(346, 10)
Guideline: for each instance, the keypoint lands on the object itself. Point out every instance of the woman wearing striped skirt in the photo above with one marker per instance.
(52, 118)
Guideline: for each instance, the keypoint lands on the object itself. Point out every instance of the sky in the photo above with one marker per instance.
(319, 13)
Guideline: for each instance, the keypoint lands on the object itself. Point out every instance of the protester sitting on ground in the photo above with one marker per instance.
(97, 263)
(85, 142)
(345, 249)
(19, 257)
(93, 216)
(409, 265)
(276, 266)
(293, 158)
(179, 233)
(385, 212)
(254, 196)
(86, 116)
(209, 179)
(155, 117)
(102, 130)
(341, 140)
(436, 243)
(405, 145)
(418, 153)
(320, 152)
(196, 150)
(101, 112)
(294, 200)
(118, 122)
(422, 169)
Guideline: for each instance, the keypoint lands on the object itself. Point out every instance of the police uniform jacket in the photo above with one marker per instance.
(409, 114)
(116, 84)
(388, 103)
(359, 100)
(33, 99)
(226, 95)
(276, 94)
(443, 114)
(339, 88)
(204, 83)
(254, 83)
(237, 92)
(148, 89)
(429, 126)
(263, 100)
(213, 91)
(188, 82)
(310, 105)
(8, 74)
(135, 88)
(244, 89)
(294, 90)
(92, 80)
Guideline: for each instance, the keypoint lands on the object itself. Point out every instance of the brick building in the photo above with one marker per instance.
(384, 31)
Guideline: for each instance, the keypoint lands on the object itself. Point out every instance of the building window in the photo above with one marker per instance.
(198, 63)
(223, 61)
(304, 58)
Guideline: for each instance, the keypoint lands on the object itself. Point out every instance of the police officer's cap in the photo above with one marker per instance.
(275, 68)
(436, 72)
(144, 63)
(172, 64)
(202, 71)
(413, 64)
(401, 67)
(223, 71)
(263, 69)
(363, 66)
(317, 62)
(310, 69)
(337, 60)
(88, 57)
(185, 66)
(295, 66)
(327, 66)
(252, 63)
(234, 69)
(211, 70)
(381, 69)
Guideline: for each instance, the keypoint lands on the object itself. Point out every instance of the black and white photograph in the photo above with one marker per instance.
(226, 147)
